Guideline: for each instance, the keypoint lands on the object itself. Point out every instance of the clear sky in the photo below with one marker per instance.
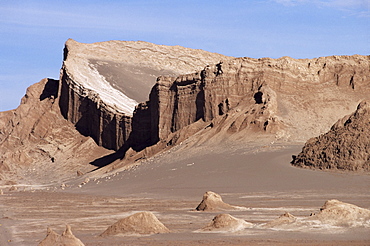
(33, 32)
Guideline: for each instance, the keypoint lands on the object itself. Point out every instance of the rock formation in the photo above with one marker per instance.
(38, 145)
(243, 96)
(284, 219)
(339, 213)
(139, 223)
(345, 147)
(226, 223)
(236, 97)
(66, 239)
(213, 201)
(101, 83)
(264, 95)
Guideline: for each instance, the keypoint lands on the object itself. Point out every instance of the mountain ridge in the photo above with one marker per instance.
(285, 99)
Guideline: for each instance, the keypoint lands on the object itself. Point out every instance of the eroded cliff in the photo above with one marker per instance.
(291, 99)
(281, 99)
(101, 83)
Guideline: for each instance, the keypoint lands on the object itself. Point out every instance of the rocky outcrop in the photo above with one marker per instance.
(37, 145)
(265, 95)
(101, 83)
(66, 239)
(284, 219)
(226, 223)
(339, 213)
(286, 98)
(345, 147)
(213, 201)
(138, 223)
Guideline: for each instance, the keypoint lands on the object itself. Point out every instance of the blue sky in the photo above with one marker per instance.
(33, 32)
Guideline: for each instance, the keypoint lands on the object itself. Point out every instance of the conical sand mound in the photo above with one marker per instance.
(339, 213)
(226, 222)
(66, 239)
(213, 201)
(284, 219)
(139, 223)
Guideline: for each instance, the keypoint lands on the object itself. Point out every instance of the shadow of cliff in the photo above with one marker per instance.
(108, 159)
(50, 89)
(121, 153)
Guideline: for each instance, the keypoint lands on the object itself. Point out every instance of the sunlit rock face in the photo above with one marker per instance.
(345, 147)
(293, 99)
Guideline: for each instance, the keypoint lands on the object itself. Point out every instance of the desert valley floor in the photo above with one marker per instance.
(257, 177)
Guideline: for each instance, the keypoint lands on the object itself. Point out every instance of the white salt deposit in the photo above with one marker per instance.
(88, 77)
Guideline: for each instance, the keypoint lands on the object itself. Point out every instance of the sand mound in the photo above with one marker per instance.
(226, 222)
(338, 213)
(66, 239)
(284, 219)
(139, 223)
(213, 201)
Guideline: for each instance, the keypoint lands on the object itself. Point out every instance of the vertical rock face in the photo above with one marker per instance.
(92, 117)
(102, 83)
(266, 94)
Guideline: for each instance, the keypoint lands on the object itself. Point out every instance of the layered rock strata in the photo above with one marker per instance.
(101, 83)
(269, 95)
(287, 98)
(345, 147)
(294, 99)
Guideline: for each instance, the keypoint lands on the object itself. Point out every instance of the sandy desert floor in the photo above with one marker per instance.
(172, 184)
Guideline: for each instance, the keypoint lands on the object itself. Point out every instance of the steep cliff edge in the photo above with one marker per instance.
(275, 99)
(249, 100)
(291, 99)
(345, 147)
(101, 83)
